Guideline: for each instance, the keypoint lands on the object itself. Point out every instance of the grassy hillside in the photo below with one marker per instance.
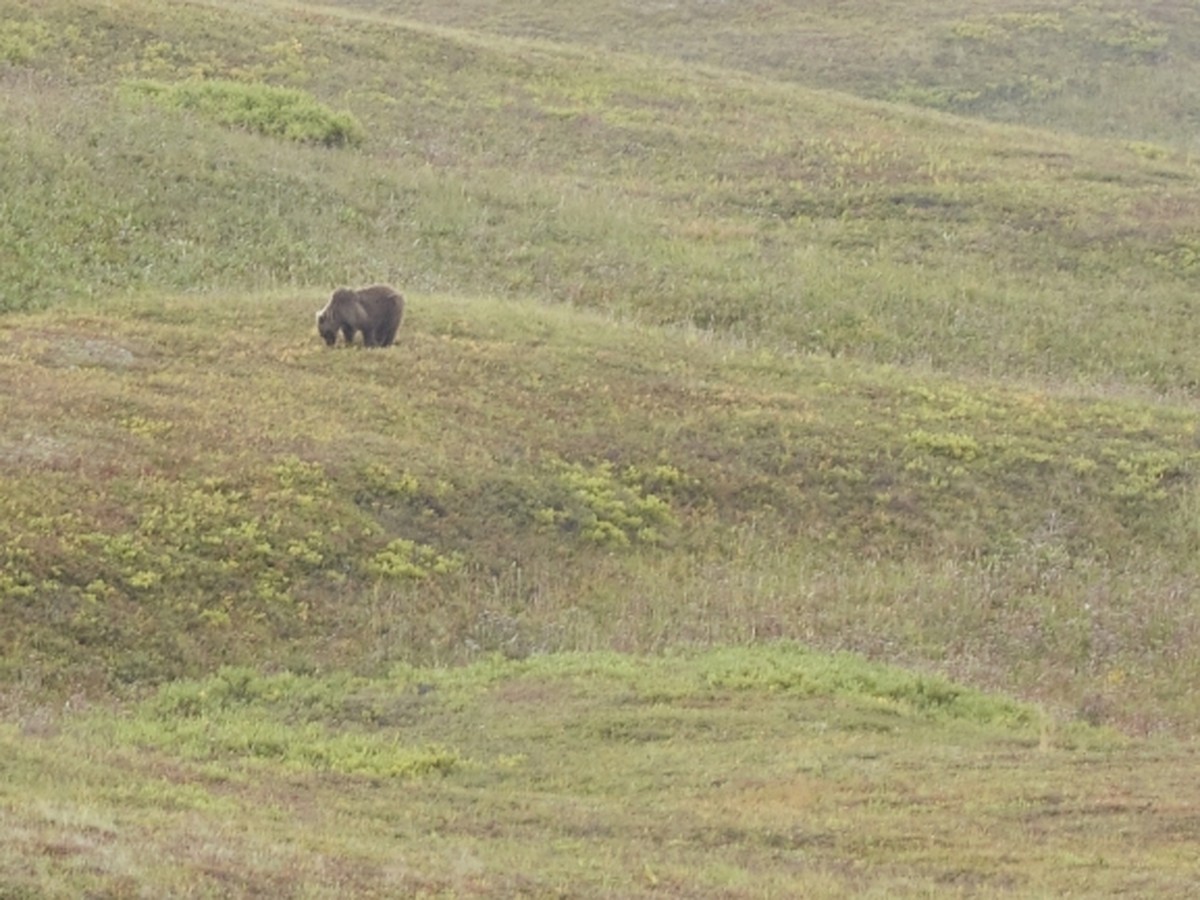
(751, 773)
(811, 221)
(701, 366)
(1098, 68)
(197, 480)
(575, 480)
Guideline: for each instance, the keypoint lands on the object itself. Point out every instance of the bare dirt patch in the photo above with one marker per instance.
(78, 351)
(43, 451)
(71, 350)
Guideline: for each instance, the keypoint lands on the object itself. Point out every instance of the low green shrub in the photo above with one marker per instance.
(793, 668)
(605, 506)
(287, 113)
(240, 716)
(404, 559)
(21, 42)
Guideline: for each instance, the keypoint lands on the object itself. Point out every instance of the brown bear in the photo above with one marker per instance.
(376, 311)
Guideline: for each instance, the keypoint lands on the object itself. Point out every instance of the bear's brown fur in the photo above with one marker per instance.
(375, 311)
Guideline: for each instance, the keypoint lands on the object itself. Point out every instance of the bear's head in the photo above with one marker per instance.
(327, 326)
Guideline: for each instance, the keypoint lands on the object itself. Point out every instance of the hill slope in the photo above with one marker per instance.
(195, 480)
(574, 481)
(1099, 68)
(728, 207)
(808, 220)
(707, 375)
(734, 773)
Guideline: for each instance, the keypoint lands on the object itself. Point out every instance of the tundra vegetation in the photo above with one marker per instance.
(785, 483)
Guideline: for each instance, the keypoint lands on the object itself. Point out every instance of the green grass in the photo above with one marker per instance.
(730, 773)
(525, 479)
(275, 112)
(1100, 68)
(720, 396)
(659, 192)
